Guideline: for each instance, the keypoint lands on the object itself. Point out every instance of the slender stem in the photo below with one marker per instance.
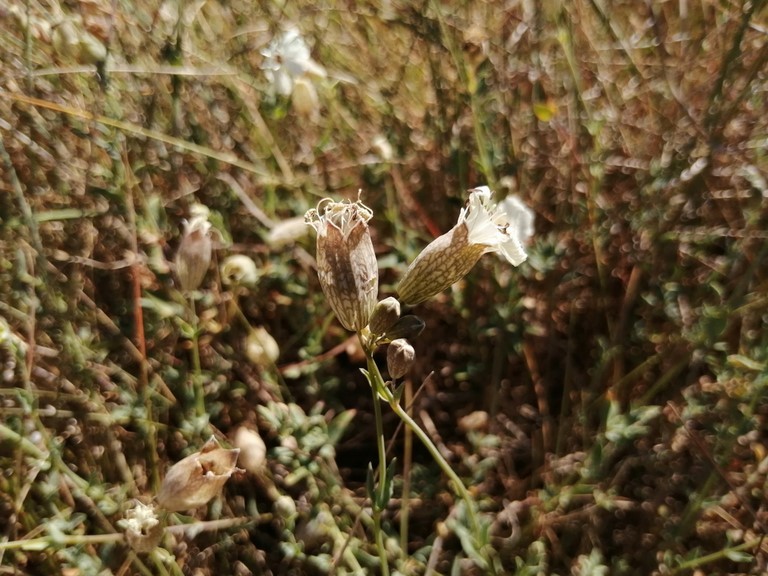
(407, 460)
(197, 377)
(378, 502)
(459, 487)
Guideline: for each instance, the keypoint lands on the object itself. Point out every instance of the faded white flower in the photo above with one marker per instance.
(483, 227)
(287, 58)
(195, 249)
(196, 479)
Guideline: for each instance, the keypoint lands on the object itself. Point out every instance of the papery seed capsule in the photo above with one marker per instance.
(346, 261)
(196, 479)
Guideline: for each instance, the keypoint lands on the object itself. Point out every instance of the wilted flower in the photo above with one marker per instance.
(346, 262)
(482, 227)
(194, 254)
(287, 58)
(196, 479)
(143, 529)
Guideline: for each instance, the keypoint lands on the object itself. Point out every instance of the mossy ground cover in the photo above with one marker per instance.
(605, 402)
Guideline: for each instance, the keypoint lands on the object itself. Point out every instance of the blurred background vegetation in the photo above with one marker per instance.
(605, 402)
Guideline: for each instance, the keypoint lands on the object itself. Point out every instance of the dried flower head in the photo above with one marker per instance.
(143, 529)
(286, 58)
(482, 227)
(196, 479)
(346, 262)
(194, 254)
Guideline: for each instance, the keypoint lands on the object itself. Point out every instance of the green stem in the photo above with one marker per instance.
(197, 377)
(377, 382)
(378, 532)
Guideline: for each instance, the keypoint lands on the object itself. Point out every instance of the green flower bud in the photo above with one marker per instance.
(346, 262)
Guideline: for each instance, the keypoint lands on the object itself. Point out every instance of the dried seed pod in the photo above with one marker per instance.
(196, 479)
(346, 262)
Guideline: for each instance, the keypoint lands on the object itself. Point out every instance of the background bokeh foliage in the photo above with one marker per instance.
(606, 401)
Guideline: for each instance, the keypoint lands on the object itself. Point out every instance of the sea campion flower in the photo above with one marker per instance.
(346, 262)
(483, 226)
(287, 58)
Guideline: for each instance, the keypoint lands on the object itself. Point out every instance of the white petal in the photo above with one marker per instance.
(513, 251)
(519, 218)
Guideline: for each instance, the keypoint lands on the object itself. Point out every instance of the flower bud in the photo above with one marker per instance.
(408, 326)
(304, 98)
(287, 232)
(261, 348)
(400, 355)
(194, 254)
(239, 270)
(384, 316)
(253, 451)
(196, 479)
(346, 262)
(285, 507)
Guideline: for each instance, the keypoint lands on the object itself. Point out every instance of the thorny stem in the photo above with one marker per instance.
(379, 533)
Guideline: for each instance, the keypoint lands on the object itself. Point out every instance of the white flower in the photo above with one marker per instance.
(482, 227)
(286, 59)
(504, 227)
